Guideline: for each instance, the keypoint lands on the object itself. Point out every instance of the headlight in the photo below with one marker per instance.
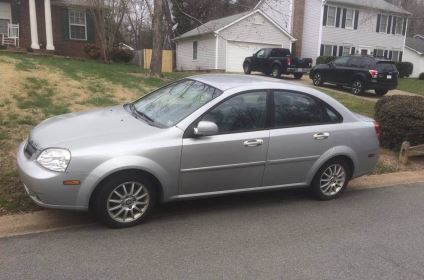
(54, 159)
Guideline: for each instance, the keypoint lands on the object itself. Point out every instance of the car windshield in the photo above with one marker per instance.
(169, 105)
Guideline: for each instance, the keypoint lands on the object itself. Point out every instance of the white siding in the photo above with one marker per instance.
(205, 53)
(311, 28)
(416, 59)
(280, 11)
(365, 36)
(222, 55)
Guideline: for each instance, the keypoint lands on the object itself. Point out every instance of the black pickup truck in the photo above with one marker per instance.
(276, 62)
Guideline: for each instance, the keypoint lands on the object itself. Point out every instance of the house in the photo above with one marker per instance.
(341, 27)
(414, 52)
(60, 26)
(222, 44)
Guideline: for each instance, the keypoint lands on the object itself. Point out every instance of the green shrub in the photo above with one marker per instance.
(92, 51)
(401, 119)
(325, 59)
(2, 47)
(421, 76)
(405, 69)
(122, 55)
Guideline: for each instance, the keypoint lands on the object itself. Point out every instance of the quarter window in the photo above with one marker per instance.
(77, 25)
(295, 109)
(331, 16)
(242, 112)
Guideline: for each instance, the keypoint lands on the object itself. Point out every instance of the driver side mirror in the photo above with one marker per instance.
(206, 128)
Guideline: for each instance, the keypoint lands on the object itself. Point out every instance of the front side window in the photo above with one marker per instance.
(169, 105)
(295, 109)
(195, 50)
(383, 23)
(261, 54)
(77, 25)
(342, 61)
(331, 16)
(349, 18)
(243, 112)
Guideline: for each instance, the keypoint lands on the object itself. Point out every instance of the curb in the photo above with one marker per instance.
(51, 220)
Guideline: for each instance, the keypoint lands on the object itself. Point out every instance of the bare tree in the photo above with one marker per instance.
(108, 16)
(138, 19)
(158, 37)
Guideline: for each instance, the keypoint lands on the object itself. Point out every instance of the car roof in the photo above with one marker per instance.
(230, 81)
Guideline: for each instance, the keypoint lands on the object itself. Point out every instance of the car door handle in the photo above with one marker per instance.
(321, 136)
(253, 143)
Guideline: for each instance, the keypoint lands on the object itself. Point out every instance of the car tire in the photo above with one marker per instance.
(381, 92)
(276, 71)
(125, 200)
(317, 79)
(298, 76)
(246, 68)
(358, 87)
(331, 180)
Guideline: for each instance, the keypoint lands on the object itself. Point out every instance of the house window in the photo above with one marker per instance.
(3, 26)
(379, 53)
(195, 50)
(395, 55)
(77, 25)
(349, 18)
(331, 16)
(383, 23)
(346, 51)
(399, 25)
(328, 50)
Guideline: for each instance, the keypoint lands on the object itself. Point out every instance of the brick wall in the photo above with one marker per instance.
(298, 18)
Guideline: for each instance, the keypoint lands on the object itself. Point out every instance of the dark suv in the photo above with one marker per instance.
(360, 73)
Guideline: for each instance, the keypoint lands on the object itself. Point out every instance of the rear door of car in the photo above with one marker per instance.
(235, 158)
(303, 128)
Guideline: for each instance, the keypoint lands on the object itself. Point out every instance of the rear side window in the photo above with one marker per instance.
(296, 109)
(358, 62)
(386, 67)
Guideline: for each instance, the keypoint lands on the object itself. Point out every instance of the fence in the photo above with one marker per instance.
(144, 57)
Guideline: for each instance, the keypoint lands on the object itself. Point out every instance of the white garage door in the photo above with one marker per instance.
(237, 52)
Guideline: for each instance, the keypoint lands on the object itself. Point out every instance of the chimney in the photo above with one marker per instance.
(298, 17)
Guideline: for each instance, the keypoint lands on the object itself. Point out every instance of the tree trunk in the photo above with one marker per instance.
(158, 36)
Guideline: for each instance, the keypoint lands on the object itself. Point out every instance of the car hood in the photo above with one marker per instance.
(94, 127)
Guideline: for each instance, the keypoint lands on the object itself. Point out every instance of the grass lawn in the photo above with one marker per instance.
(412, 85)
(33, 88)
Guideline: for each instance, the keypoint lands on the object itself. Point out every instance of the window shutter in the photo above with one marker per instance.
(394, 25)
(338, 17)
(378, 23)
(344, 18)
(390, 54)
(352, 51)
(404, 27)
(375, 53)
(65, 24)
(321, 52)
(389, 25)
(341, 51)
(385, 53)
(400, 56)
(356, 19)
(90, 27)
(334, 50)
(324, 20)
(15, 10)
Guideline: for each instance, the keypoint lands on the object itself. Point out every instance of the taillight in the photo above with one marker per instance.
(374, 73)
(289, 61)
(377, 130)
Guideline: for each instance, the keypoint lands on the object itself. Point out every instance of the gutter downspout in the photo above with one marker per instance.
(216, 50)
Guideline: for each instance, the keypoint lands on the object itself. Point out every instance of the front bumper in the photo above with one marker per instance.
(46, 187)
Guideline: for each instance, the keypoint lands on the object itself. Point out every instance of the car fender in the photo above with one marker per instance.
(111, 166)
(329, 154)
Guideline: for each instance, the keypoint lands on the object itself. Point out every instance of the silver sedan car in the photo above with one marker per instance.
(202, 136)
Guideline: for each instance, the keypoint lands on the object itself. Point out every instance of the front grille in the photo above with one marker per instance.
(30, 149)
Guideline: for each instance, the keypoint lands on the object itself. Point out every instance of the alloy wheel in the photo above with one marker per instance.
(128, 202)
(357, 87)
(332, 180)
(317, 79)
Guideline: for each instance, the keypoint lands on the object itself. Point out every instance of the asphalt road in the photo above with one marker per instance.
(367, 234)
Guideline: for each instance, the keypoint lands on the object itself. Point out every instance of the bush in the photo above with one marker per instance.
(92, 51)
(324, 59)
(404, 68)
(122, 55)
(421, 76)
(2, 47)
(401, 119)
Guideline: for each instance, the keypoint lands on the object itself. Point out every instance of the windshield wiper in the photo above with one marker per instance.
(140, 114)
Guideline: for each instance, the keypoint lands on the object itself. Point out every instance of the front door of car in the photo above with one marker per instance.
(341, 71)
(258, 62)
(303, 131)
(235, 157)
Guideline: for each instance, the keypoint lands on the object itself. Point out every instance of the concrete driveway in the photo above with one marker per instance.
(367, 234)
